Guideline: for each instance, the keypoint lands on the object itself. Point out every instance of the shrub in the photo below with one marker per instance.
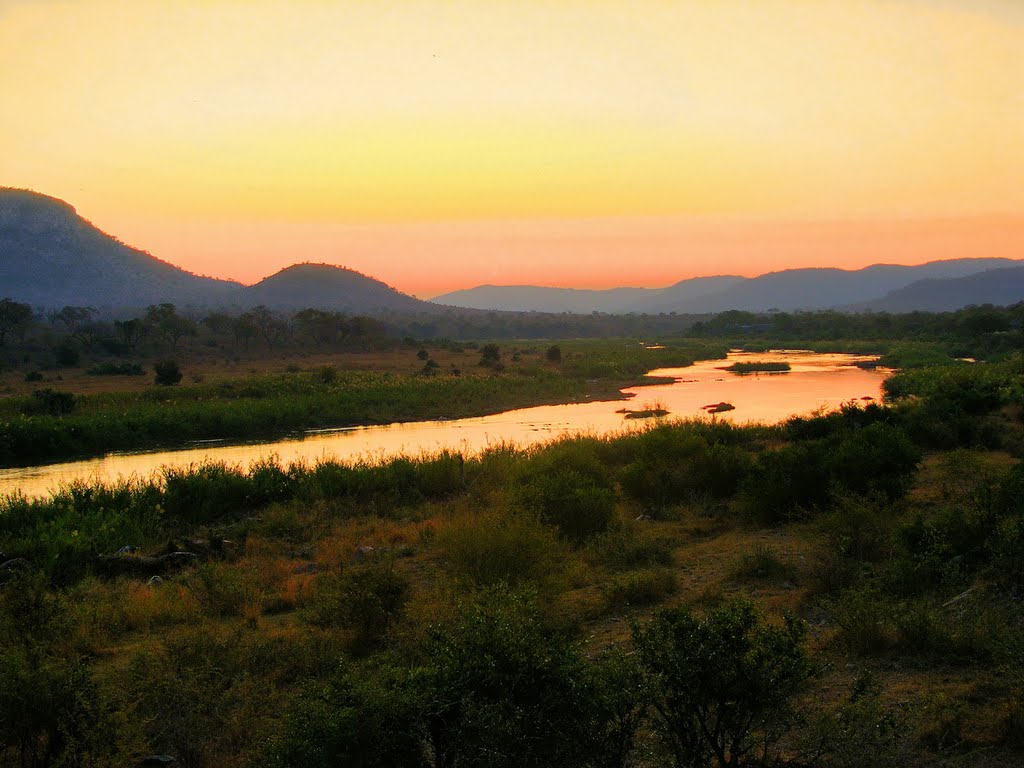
(327, 374)
(859, 732)
(624, 547)
(674, 466)
(722, 682)
(366, 598)
(643, 587)
(50, 402)
(51, 711)
(367, 718)
(864, 617)
(491, 549)
(205, 493)
(167, 372)
(503, 690)
(554, 354)
(568, 487)
(32, 376)
(762, 562)
(116, 369)
(490, 355)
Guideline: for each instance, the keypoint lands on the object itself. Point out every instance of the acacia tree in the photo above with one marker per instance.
(15, 318)
(130, 332)
(72, 317)
(168, 324)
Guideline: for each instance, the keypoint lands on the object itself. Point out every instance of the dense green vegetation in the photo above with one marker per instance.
(766, 366)
(842, 590)
(436, 611)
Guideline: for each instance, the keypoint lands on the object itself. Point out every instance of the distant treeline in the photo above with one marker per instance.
(966, 323)
(164, 328)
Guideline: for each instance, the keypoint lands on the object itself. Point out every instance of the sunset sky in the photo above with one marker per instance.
(589, 143)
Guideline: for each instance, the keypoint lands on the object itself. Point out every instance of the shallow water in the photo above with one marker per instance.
(815, 381)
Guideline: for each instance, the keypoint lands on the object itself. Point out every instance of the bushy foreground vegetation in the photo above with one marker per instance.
(843, 590)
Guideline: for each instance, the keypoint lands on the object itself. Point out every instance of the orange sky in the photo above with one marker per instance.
(443, 144)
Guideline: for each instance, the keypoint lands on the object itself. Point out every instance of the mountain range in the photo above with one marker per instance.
(935, 286)
(51, 257)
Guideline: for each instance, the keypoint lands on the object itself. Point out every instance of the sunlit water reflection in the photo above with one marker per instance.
(815, 381)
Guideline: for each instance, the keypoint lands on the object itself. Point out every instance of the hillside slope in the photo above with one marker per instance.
(50, 257)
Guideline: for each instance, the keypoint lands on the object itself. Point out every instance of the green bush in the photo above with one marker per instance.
(492, 549)
(623, 547)
(366, 599)
(116, 369)
(569, 487)
(205, 493)
(864, 617)
(168, 372)
(675, 467)
(366, 718)
(722, 683)
(762, 562)
(51, 711)
(49, 402)
(502, 690)
(643, 587)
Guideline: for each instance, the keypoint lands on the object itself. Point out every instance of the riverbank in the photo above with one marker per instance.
(53, 425)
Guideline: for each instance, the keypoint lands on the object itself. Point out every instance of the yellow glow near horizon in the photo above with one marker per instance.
(322, 113)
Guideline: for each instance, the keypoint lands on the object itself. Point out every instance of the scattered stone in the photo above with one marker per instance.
(305, 568)
(155, 581)
(14, 564)
(642, 518)
(128, 549)
(153, 760)
(363, 552)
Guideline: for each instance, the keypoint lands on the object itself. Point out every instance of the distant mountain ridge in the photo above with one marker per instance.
(51, 257)
(786, 290)
(995, 286)
(328, 287)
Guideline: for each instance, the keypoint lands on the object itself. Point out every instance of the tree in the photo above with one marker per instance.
(72, 317)
(722, 683)
(323, 327)
(244, 328)
(15, 318)
(554, 354)
(89, 333)
(218, 322)
(267, 324)
(130, 332)
(168, 324)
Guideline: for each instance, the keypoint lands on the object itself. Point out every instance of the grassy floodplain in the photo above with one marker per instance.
(34, 429)
(570, 604)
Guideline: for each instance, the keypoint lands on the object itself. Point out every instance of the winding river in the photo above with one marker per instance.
(815, 381)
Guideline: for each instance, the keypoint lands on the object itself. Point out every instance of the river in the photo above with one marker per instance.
(815, 381)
